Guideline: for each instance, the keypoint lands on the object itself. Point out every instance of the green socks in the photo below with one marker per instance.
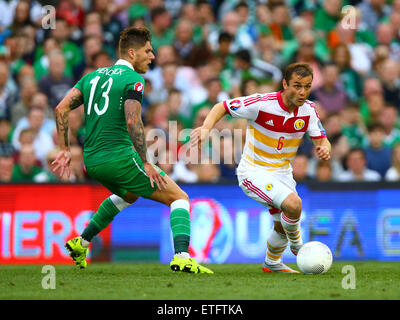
(180, 225)
(108, 209)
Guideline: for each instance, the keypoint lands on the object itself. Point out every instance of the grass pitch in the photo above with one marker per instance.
(155, 281)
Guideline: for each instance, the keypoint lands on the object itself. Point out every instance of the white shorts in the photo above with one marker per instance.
(270, 188)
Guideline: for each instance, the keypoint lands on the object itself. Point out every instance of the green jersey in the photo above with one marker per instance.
(104, 93)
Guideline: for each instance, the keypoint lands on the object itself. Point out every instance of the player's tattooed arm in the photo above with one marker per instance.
(135, 127)
(71, 101)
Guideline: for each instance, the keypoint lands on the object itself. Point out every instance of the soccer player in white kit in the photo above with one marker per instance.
(276, 123)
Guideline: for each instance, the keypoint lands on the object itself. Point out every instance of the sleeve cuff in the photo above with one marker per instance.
(318, 137)
(227, 108)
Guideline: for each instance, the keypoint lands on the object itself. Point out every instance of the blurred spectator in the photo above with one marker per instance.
(352, 125)
(389, 121)
(39, 101)
(249, 87)
(26, 169)
(6, 17)
(385, 35)
(324, 171)
(305, 53)
(351, 80)
(111, 26)
(395, 44)
(227, 165)
(41, 65)
(340, 150)
(280, 23)
(300, 168)
(246, 67)
(330, 94)
(5, 137)
(160, 28)
(157, 116)
(358, 40)
(372, 12)
(357, 169)
(61, 33)
(189, 52)
(76, 127)
(72, 11)
(77, 166)
(391, 82)
(223, 50)
(214, 95)
(393, 174)
(206, 171)
(231, 24)
(22, 16)
(199, 93)
(56, 85)
(267, 51)
(6, 166)
(26, 71)
(164, 56)
(372, 103)
(178, 108)
(20, 109)
(42, 141)
(6, 97)
(92, 45)
(378, 156)
(327, 16)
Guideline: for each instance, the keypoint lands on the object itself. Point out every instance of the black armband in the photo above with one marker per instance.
(134, 95)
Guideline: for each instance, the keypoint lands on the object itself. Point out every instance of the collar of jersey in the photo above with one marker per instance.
(282, 104)
(124, 63)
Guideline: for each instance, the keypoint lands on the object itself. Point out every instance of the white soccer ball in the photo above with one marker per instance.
(314, 257)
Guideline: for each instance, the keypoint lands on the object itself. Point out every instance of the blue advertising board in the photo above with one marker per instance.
(229, 227)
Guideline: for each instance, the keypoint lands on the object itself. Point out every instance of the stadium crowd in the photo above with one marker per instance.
(206, 52)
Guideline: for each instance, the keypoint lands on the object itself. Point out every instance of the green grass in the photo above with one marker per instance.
(147, 281)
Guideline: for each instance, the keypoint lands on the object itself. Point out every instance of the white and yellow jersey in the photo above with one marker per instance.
(273, 133)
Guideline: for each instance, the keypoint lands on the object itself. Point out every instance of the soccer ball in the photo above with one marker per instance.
(314, 257)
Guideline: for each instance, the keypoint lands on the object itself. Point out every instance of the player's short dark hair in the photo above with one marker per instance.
(132, 37)
(299, 68)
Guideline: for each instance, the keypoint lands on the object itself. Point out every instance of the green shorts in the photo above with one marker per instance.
(124, 175)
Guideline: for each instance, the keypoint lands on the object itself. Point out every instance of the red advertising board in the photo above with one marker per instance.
(37, 220)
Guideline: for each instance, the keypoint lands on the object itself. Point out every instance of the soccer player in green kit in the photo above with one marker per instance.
(112, 105)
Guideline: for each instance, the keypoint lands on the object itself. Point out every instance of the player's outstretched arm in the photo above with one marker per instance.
(323, 148)
(133, 116)
(71, 101)
(199, 134)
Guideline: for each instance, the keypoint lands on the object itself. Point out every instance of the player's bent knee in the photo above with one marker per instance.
(130, 197)
(120, 203)
(180, 195)
(292, 205)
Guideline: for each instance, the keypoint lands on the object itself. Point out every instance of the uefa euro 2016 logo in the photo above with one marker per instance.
(234, 104)
(211, 231)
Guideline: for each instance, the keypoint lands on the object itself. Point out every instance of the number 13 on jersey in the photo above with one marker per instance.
(93, 83)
